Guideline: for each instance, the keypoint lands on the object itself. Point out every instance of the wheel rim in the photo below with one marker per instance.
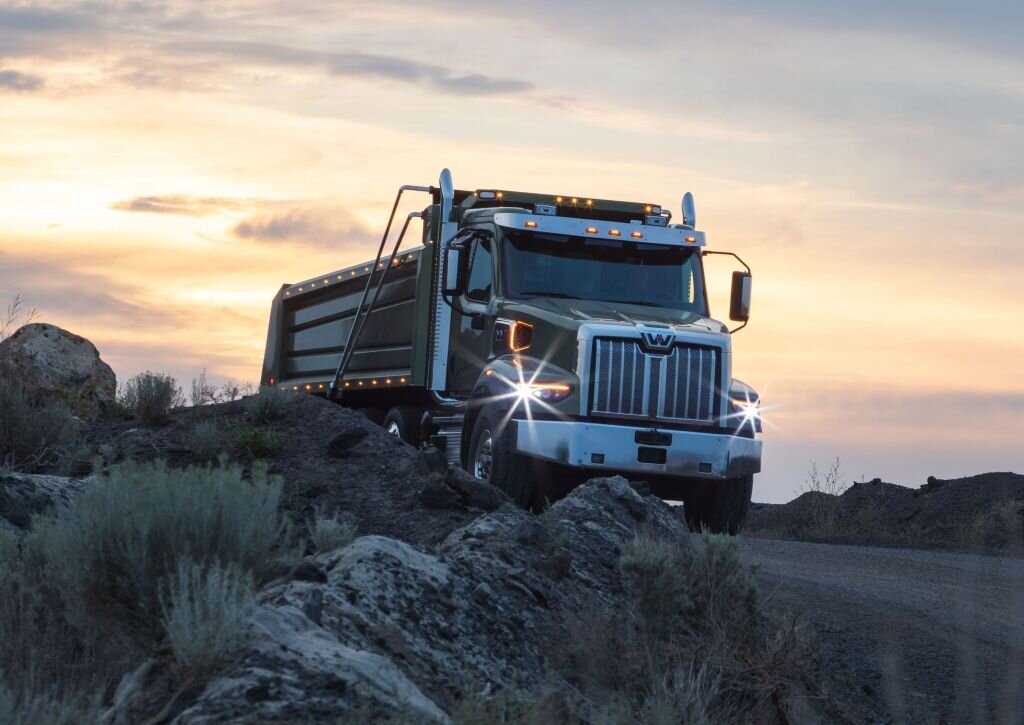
(483, 457)
(393, 429)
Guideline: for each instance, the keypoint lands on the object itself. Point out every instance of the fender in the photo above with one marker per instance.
(496, 383)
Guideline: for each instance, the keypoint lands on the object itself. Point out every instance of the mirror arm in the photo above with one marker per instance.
(706, 252)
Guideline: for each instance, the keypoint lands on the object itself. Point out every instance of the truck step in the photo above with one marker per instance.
(450, 426)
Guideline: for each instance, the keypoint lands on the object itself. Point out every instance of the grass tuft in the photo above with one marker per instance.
(330, 531)
(259, 444)
(205, 613)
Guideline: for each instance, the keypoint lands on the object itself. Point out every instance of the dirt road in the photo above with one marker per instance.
(906, 636)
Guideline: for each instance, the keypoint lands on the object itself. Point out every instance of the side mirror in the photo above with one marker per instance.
(739, 306)
(454, 271)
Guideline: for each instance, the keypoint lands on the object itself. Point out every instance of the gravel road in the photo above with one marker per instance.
(906, 636)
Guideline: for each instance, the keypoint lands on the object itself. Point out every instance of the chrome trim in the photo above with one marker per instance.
(690, 454)
(687, 335)
(577, 227)
(441, 334)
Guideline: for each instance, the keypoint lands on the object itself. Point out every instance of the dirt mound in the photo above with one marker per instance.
(986, 510)
(328, 456)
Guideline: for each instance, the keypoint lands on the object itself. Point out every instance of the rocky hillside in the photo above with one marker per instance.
(390, 588)
(984, 511)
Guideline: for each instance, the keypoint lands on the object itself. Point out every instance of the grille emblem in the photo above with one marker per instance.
(658, 343)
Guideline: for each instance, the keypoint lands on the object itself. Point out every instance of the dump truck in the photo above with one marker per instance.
(538, 340)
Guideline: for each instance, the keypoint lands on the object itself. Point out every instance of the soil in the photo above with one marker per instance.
(360, 485)
(906, 636)
(939, 514)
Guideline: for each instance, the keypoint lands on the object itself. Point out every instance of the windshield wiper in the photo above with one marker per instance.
(544, 293)
(633, 302)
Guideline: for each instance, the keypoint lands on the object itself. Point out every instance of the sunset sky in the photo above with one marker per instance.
(164, 167)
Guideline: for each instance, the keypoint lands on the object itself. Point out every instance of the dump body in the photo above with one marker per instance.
(311, 322)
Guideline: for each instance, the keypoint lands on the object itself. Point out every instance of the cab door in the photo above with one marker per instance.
(472, 330)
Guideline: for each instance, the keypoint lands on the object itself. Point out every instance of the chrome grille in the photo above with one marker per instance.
(677, 386)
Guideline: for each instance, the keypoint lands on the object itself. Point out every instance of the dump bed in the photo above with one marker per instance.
(310, 323)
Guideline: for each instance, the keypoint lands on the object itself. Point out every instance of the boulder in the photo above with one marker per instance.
(25, 496)
(399, 630)
(56, 366)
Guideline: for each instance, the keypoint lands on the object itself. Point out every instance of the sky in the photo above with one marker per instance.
(166, 166)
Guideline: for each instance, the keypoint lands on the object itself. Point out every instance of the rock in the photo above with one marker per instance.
(474, 492)
(436, 494)
(24, 496)
(407, 632)
(56, 366)
(313, 607)
(340, 446)
(431, 460)
(308, 571)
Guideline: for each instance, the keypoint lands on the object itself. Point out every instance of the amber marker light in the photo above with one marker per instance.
(531, 225)
(488, 372)
(520, 336)
(691, 240)
(558, 200)
(401, 380)
(647, 208)
(591, 230)
(637, 235)
(614, 233)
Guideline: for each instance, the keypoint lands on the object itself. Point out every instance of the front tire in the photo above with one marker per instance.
(718, 506)
(403, 422)
(492, 457)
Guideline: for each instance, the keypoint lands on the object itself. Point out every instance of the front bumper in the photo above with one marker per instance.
(630, 449)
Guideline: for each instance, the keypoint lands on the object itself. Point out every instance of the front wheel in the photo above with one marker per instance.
(718, 506)
(492, 457)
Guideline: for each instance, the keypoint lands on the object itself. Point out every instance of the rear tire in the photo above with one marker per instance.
(492, 457)
(403, 422)
(718, 506)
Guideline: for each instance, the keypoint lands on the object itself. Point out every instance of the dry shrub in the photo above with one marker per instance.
(267, 404)
(205, 612)
(205, 440)
(150, 397)
(692, 644)
(114, 552)
(33, 439)
(999, 527)
(330, 531)
(826, 487)
(27, 709)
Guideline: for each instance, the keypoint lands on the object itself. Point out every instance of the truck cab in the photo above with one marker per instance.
(554, 338)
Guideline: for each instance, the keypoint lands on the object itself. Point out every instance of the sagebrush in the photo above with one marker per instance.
(114, 552)
(33, 438)
(330, 531)
(150, 397)
(205, 611)
(267, 404)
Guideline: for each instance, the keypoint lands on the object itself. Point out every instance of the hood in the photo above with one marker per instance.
(570, 314)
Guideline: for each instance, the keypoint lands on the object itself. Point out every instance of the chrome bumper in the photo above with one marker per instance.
(615, 448)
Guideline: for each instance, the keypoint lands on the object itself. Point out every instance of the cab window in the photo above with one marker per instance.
(480, 272)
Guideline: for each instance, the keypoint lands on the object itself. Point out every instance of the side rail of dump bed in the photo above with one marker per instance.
(311, 321)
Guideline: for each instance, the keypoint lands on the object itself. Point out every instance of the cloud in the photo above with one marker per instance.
(18, 82)
(316, 226)
(180, 204)
(61, 292)
(357, 65)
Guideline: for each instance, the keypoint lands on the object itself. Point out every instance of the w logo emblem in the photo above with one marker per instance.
(657, 342)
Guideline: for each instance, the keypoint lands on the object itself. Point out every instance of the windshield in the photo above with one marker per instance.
(608, 270)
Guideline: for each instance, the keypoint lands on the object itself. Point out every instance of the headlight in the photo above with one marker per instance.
(746, 409)
(545, 392)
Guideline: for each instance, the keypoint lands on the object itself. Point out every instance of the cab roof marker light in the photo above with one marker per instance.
(637, 235)
(530, 224)
(691, 240)
(591, 230)
(614, 233)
